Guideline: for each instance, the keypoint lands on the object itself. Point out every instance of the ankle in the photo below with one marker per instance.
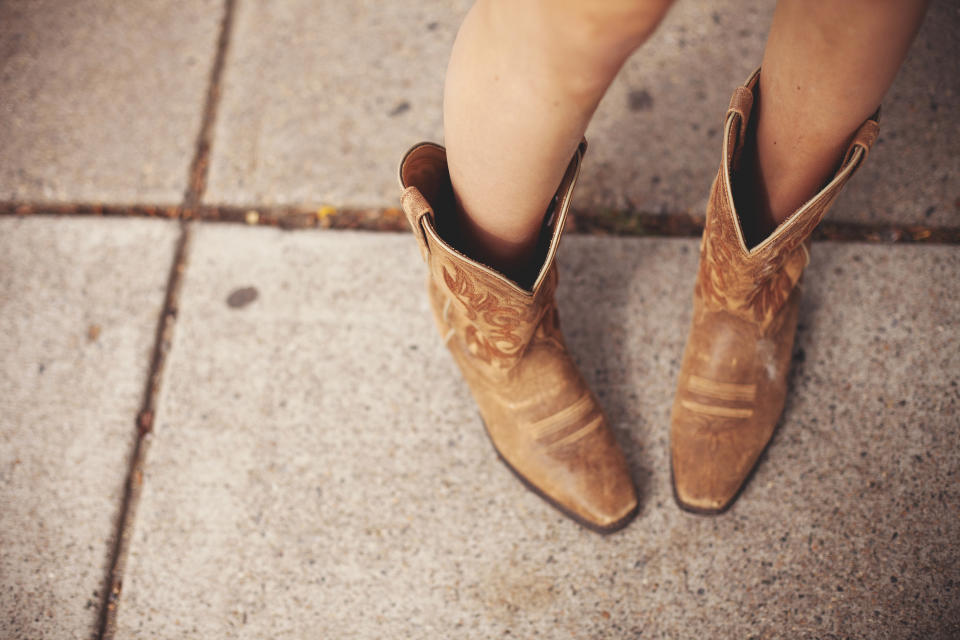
(510, 253)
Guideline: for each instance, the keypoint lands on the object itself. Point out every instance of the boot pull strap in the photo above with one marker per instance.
(864, 138)
(424, 164)
(740, 104)
(415, 206)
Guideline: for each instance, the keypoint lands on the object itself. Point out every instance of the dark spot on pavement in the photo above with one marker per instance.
(929, 212)
(639, 100)
(402, 107)
(242, 297)
(432, 26)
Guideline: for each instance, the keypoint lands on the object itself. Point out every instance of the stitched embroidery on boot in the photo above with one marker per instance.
(497, 338)
(728, 281)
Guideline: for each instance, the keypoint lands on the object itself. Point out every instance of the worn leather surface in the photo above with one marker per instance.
(733, 378)
(538, 411)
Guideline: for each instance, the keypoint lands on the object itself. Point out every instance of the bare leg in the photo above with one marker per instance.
(826, 67)
(524, 79)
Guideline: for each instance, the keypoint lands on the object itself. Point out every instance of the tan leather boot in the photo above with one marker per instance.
(733, 379)
(540, 415)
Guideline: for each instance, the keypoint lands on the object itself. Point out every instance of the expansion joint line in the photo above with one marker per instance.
(196, 185)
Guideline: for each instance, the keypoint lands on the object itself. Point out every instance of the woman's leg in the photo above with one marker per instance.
(524, 79)
(826, 67)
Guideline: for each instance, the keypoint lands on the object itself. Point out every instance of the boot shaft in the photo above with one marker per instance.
(755, 283)
(495, 316)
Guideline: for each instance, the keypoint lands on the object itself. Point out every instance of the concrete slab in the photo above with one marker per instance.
(320, 101)
(102, 101)
(79, 302)
(318, 469)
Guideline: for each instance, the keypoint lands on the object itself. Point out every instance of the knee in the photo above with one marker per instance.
(610, 24)
(599, 35)
(595, 28)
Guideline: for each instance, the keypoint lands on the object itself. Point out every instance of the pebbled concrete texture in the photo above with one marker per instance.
(318, 468)
(79, 300)
(320, 101)
(102, 101)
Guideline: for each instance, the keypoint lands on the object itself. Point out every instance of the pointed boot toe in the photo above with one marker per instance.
(577, 467)
(606, 501)
(710, 466)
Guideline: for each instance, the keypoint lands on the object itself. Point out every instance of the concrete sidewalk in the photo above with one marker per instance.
(317, 468)
(312, 465)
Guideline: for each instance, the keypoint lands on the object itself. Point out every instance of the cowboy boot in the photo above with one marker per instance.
(505, 337)
(733, 379)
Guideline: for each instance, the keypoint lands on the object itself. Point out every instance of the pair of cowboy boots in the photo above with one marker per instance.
(538, 411)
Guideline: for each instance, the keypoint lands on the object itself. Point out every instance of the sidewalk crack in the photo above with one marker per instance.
(192, 197)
